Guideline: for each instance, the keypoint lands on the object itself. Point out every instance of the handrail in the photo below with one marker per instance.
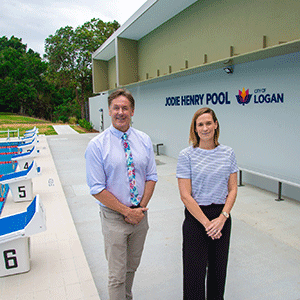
(8, 131)
(279, 180)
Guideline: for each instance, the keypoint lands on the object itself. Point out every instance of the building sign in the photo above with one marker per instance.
(244, 97)
(260, 96)
(198, 99)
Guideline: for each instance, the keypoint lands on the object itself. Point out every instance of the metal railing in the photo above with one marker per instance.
(9, 132)
(279, 180)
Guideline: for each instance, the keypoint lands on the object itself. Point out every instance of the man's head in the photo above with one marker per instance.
(121, 92)
(121, 109)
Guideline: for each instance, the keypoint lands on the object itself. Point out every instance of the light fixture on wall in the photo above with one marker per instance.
(228, 70)
(228, 66)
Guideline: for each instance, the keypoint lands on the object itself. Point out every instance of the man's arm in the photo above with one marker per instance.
(132, 216)
(148, 192)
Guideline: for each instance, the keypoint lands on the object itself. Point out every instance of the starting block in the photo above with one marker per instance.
(28, 145)
(29, 137)
(15, 232)
(20, 182)
(25, 159)
(29, 132)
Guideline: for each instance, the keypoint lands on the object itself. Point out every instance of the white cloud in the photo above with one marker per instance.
(35, 20)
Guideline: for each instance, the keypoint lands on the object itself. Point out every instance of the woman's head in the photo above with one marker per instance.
(194, 137)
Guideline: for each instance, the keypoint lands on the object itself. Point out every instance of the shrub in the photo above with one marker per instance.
(85, 124)
(64, 111)
(72, 120)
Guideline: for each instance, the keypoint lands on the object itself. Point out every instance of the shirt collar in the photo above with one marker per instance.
(119, 133)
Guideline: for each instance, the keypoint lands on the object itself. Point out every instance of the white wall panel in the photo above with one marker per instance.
(265, 136)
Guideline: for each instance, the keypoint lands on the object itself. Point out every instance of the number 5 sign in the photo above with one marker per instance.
(22, 190)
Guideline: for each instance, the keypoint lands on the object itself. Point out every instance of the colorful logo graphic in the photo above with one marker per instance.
(243, 97)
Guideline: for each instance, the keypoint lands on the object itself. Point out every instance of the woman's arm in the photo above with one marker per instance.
(185, 189)
(218, 223)
(232, 192)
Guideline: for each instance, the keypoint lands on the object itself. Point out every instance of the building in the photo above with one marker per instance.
(240, 58)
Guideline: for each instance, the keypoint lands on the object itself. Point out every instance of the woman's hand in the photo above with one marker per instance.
(215, 227)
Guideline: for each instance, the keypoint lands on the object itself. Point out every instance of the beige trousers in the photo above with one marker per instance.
(124, 245)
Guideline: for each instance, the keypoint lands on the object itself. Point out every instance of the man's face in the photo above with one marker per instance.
(121, 112)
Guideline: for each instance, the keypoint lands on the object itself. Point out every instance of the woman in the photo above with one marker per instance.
(207, 181)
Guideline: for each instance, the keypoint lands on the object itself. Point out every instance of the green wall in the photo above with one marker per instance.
(212, 27)
(112, 77)
(127, 61)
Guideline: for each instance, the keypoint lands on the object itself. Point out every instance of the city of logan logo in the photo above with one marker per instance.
(243, 97)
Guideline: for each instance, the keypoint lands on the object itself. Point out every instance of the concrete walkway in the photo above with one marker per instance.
(59, 269)
(64, 129)
(68, 262)
(264, 261)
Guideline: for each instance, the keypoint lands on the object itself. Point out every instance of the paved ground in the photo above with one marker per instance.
(64, 129)
(59, 269)
(264, 261)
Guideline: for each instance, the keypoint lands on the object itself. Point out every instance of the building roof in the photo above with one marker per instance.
(149, 16)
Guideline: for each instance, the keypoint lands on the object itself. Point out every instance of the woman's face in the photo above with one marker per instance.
(205, 127)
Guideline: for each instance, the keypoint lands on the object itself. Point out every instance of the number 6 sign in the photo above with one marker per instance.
(14, 257)
(10, 259)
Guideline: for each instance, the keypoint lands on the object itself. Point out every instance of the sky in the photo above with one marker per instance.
(35, 20)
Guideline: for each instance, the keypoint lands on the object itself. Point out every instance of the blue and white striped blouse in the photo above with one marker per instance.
(209, 171)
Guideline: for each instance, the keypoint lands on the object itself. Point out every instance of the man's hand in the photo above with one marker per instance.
(135, 215)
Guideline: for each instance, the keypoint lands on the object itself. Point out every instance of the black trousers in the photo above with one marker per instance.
(204, 258)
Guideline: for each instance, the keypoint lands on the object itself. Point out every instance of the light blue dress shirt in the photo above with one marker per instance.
(106, 163)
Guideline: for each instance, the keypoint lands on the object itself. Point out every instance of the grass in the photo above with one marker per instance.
(8, 118)
(9, 121)
(78, 128)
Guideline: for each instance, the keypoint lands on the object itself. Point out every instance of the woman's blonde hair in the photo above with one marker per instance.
(194, 138)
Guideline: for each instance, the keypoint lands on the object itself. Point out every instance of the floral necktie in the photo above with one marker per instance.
(131, 171)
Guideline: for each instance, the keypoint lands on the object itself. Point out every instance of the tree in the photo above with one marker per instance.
(69, 55)
(22, 84)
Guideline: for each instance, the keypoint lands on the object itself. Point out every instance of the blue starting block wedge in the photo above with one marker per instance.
(15, 232)
(28, 145)
(29, 138)
(25, 159)
(29, 132)
(20, 182)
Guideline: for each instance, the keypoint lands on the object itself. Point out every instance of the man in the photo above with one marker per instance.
(121, 174)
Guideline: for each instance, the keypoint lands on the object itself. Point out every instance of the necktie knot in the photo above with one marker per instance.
(125, 136)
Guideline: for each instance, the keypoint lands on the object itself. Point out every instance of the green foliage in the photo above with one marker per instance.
(69, 108)
(23, 88)
(72, 120)
(69, 54)
(57, 87)
(85, 124)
